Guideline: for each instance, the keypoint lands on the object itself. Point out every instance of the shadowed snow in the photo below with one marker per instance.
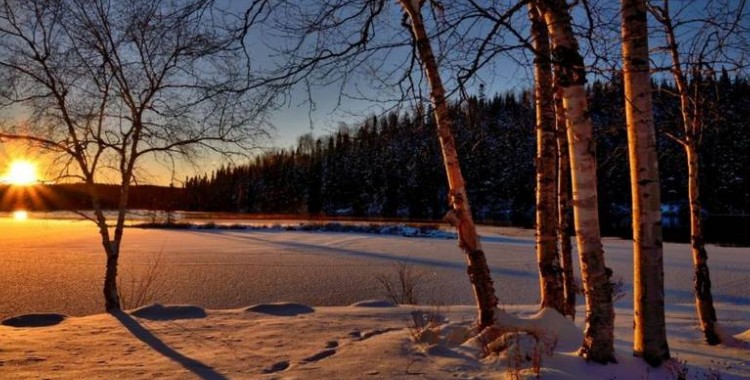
(281, 309)
(158, 312)
(373, 303)
(35, 320)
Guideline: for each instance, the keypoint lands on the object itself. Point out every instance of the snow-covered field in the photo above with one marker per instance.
(57, 266)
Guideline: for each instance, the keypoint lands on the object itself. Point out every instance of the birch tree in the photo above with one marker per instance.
(598, 342)
(720, 33)
(649, 332)
(548, 259)
(104, 85)
(564, 206)
(479, 273)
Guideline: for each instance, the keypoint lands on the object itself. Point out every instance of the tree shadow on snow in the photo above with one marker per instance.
(199, 369)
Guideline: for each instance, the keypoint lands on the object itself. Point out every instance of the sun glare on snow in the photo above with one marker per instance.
(21, 173)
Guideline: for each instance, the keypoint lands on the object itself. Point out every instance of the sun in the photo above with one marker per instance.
(21, 173)
(20, 215)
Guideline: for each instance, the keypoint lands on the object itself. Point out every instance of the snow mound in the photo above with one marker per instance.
(373, 303)
(546, 324)
(35, 320)
(281, 309)
(409, 231)
(569, 336)
(158, 312)
(744, 336)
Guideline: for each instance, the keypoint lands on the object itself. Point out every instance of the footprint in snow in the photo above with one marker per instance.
(329, 350)
(319, 356)
(277, 367)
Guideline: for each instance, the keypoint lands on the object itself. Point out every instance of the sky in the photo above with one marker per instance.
(324, 106)
(333, 103)
(509, 72)
(369, 82)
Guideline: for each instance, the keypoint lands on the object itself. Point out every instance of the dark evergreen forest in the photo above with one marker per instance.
(391, 167)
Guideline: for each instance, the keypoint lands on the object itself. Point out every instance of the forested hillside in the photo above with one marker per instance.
(391, 167)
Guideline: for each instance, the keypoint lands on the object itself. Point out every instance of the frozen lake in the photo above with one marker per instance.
(58, 265)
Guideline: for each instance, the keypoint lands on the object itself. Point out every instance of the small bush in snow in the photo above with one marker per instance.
(402, 285)
(519, 347)
(676, 368)
(143, 288)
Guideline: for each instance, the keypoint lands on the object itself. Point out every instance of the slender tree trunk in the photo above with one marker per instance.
(111, 244)
(693, 126)
(550, 272)
(649, 327)
(479, 273)
(704, 302)
(564, 205)
(598, 340)
(111, 295)
(111, 248)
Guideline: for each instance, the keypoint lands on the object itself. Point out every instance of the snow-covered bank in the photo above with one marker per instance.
(292, 341)
(404, 230)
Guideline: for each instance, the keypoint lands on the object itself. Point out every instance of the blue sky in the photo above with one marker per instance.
(334, 103)
(508, 71)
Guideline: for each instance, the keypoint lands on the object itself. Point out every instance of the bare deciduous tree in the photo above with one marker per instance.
(479, 273)
(649, 332)
(598, 342)
(564, 206)
(718, 36)
(548, 258)
(104, 85)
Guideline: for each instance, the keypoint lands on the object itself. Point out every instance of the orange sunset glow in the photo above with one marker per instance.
(21, 173)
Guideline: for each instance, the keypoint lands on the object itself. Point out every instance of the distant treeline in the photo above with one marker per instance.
(59, 197)
(391, 166)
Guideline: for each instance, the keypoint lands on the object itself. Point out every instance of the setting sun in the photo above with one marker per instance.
(21, 173)
(20, 215)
